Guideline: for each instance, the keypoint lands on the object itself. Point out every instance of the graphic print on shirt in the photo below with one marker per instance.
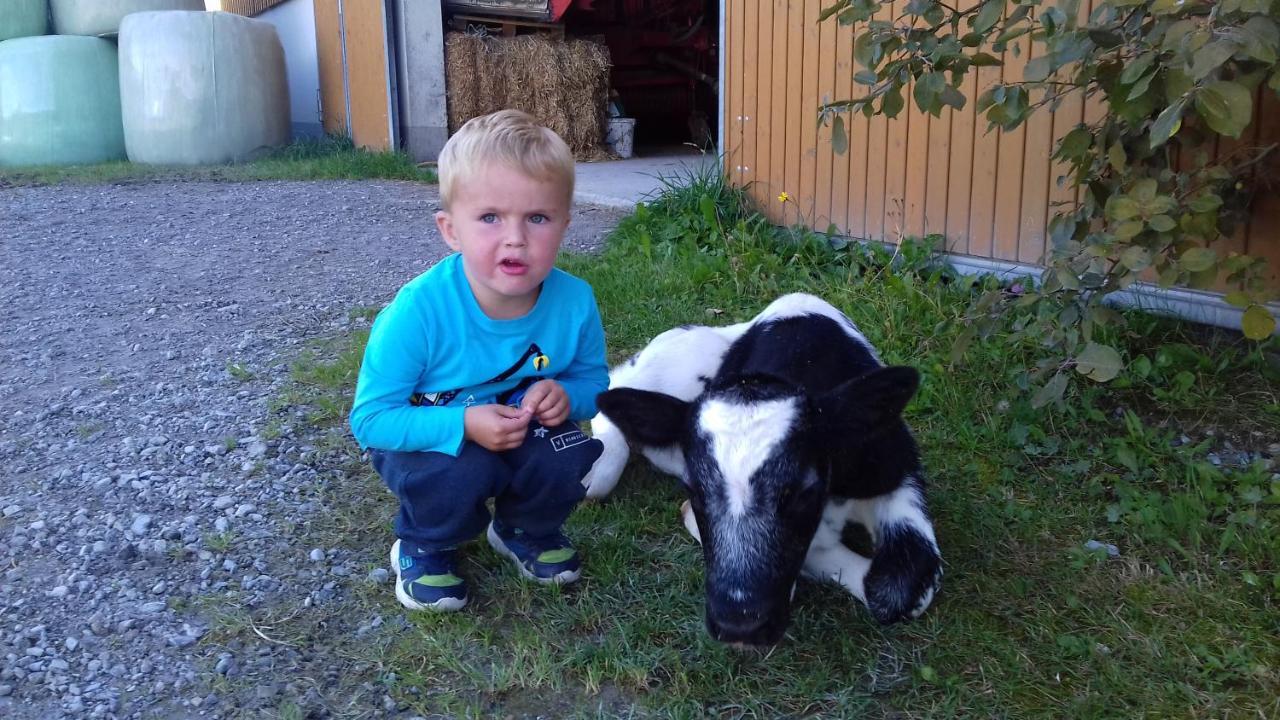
(540, 362)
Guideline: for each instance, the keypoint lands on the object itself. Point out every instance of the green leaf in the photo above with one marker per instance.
(1210, 58)
(1176, 85)
(1140, 88)
(1167, 124)
(1106, 39)
(1051, 392)
(1208, 202)
(1121, 207)
(917, 7)
(926, 91)
(708, 207)
(1257, 323)
(1226, 106)
(1144, 191)
(1117, 158)
(1162, 223)
(1068, 279)
(828, 12)
(1137, 68)
(892, 102)
(1038, 68)
(864, 50)
(1136, 258)
(1141, 367)
(984, 60)
(1274, 82)
(1128, 230)
(1075, 144)
(866, 77)
(1167, 7)
(1126, 457)
(1099, 362)
(1175, 33)
(1198, 259)
(988, 16)
(839, 139)
(1239, 298)
(1261, 38)
(952, 97)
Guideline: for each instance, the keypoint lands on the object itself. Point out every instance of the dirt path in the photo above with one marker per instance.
(145, 327)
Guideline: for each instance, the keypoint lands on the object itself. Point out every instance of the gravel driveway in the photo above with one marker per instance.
(145, 327)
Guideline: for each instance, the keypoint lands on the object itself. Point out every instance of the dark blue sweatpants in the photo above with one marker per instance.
(534, 486)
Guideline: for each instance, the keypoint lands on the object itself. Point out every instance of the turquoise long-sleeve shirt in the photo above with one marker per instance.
(433, 352)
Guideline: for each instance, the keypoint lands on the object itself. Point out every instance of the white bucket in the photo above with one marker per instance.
(621, 136)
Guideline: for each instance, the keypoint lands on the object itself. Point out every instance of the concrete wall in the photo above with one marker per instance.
(295, 22)
(419, 40)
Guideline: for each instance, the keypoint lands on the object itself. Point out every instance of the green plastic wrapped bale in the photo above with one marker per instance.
(23, 18)
(59, 101)
(201, 88)
(102, 17)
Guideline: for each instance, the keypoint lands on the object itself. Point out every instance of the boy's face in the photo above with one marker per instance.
(508, 227)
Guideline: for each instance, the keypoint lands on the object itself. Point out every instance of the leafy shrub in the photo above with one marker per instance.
(1175, 76)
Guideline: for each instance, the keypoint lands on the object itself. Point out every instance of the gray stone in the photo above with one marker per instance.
(1112, 550)
(317, 555)
(223, 502)
(140, 525)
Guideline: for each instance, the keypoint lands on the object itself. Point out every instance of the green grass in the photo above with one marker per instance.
(330, 158)
(1029, 624)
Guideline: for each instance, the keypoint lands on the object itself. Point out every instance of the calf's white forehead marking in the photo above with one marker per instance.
(743, 437)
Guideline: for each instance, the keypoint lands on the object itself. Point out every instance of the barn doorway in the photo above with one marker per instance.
(664, 55)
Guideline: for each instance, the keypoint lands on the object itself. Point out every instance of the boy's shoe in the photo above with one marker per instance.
(549, 560)
(427, 580)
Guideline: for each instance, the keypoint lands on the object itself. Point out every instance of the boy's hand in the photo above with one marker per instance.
(547, 401)
(495, 427)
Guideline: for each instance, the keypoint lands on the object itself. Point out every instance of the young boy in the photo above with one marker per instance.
(474, 372)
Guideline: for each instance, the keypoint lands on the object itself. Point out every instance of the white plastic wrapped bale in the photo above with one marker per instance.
(201, 88)
(23, 18)
(59, 101)
(102, 17)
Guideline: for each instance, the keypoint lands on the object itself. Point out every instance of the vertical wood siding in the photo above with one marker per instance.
(990, 194)
(365, 81)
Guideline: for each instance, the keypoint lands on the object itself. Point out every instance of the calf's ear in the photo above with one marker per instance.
(648, 418)
(866, 403)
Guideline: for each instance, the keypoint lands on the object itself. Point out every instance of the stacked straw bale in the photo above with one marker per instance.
(562, 83)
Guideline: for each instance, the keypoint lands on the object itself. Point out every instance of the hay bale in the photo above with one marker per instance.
(495, 83)
(585, 67)
(564, 84)
(461, 54)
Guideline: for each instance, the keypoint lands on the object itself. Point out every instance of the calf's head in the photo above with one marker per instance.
(756, 455)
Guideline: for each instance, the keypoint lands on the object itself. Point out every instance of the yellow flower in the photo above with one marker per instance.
(783, 197)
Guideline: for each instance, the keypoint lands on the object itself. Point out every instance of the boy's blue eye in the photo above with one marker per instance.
(489, 218)
(539, 219)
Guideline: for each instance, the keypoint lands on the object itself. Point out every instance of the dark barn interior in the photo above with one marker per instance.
(664, 56)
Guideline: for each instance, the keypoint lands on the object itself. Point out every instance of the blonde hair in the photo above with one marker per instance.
(511, 138)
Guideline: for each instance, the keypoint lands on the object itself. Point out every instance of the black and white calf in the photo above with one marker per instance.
(783, 429)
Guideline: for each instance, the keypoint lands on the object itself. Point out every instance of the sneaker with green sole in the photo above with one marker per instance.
(427, 579)
(548, 560)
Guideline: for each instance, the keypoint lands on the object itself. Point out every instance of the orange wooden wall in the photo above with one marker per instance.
(989, 194)
(365, 82)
